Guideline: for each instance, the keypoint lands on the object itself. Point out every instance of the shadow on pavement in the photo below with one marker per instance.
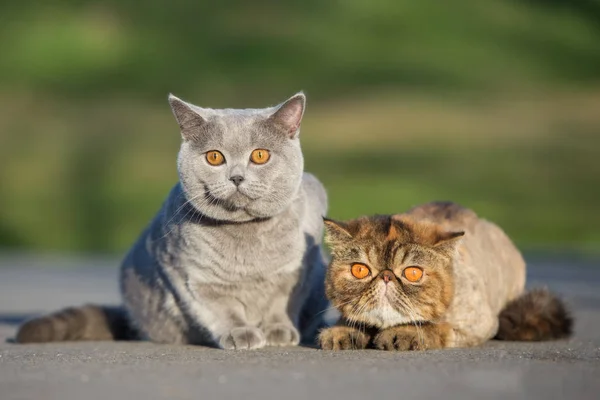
(14, 320)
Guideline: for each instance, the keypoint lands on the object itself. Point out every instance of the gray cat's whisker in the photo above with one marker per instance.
(180, 208)
(176, 214)
(233, 258)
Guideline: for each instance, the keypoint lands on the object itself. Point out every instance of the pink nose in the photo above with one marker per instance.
(387, 275)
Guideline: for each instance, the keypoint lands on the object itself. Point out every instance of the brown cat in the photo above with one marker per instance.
(435, 277)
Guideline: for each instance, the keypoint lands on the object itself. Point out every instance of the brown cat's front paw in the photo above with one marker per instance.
(343, 338)
(409, 337)
(397, 339)
(282, 335)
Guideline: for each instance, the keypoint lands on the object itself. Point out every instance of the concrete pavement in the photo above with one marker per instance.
(502, 370)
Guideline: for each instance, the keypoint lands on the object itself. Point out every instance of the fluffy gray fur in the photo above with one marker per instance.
(238, 267)
(226, 265)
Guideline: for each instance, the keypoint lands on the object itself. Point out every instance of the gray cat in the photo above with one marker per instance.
(233, 259)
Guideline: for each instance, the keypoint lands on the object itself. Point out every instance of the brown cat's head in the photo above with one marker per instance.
(390, 270)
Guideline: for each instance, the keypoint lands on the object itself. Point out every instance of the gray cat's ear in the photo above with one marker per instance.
(336, 232)
(188, 119)
(289, 114)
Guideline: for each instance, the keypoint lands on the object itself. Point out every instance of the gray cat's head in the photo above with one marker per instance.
(239, 165)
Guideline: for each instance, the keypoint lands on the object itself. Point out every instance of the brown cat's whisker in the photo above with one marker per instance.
(412, 314)
(451, 279)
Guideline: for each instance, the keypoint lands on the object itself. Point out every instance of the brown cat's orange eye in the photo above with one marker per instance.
(260, 156)
(413, 274)
(360, 271)
(215, 158)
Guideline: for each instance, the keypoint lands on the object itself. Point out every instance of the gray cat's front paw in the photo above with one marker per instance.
(282, 335)
(243, 338)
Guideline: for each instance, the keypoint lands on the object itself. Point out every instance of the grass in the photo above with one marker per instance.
(492, 103)
(231, 52)
(528, 163)
(89, 176)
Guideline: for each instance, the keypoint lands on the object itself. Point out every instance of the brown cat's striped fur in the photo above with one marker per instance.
(471, 290)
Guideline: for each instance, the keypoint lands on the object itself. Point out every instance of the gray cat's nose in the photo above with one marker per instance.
(237, 179)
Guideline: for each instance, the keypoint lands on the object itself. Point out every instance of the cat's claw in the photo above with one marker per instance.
(404, 338)
(243, 338)
(343, 338)
(281, 334)
(397, 340)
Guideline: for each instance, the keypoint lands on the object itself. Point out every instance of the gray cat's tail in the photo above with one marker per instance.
(536, 315)
(89, 322)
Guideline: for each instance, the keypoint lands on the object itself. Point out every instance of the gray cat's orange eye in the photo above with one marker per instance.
(413, 274)
(360, 271)
(260, 156)
(215, 158)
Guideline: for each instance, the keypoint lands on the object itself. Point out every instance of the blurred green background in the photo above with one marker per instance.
(491, 103)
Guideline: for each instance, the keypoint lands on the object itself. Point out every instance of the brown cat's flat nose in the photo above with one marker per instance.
(387, 275)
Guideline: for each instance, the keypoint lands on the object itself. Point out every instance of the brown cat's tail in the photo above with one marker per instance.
(536, 315)
(89, 322)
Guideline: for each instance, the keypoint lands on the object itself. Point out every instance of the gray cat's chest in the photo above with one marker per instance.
(225, 254)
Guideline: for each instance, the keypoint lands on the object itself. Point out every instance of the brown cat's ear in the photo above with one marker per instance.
(428, 233)
(188, 119)
(336, 232)
(447, 240)
(289, 115)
